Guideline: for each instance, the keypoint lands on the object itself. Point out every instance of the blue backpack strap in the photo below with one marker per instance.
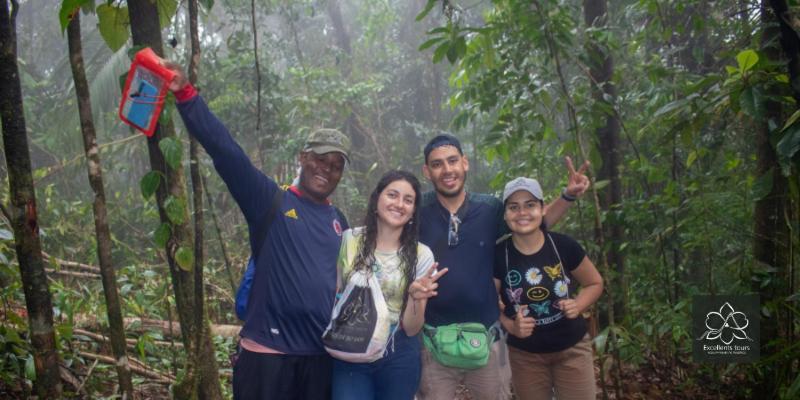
(261, 233)
(243, 293)
(342, 218)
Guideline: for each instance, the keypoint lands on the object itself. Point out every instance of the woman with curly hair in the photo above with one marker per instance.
(388, 245)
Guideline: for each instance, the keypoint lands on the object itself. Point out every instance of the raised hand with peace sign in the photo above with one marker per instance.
(578, 182)
(422, 289)
(425, 286)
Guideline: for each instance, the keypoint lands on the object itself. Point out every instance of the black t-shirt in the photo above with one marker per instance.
(537, 282)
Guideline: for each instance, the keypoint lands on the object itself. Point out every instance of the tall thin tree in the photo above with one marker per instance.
(772, 244)
(22, 210)
(208, 388)
(601, 73)
(201, 372)
(113, 309)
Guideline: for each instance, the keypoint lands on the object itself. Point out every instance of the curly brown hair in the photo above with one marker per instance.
(408, 238)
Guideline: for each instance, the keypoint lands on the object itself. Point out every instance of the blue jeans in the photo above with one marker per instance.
(393, 377)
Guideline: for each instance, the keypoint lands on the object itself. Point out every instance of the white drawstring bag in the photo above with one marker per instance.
(359, 329)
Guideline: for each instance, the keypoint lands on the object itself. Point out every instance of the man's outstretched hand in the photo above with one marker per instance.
(180, 81)
(578, 181)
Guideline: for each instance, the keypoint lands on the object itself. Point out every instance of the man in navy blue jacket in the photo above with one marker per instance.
(295, 267)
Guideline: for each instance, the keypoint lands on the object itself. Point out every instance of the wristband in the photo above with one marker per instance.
(567, 197)
(186, 93)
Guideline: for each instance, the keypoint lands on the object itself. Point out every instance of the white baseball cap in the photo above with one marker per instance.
(527, 184)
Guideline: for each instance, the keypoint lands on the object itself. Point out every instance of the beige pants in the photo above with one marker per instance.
(492, 382)
(568, 373)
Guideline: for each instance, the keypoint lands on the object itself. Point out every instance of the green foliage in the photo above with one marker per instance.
(162, 234)
(175, 208)
(788, 148)
(113, 25)
(691, 78)
(762, 186)
(207, 4)
(746, 59)
(689, 101)
(149, 184)
(68, 10)
(172, 149)
(428, 7)
(185, 258)
(166, 10)
(166, 113)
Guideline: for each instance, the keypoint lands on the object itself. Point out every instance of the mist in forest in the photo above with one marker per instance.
(687, 111)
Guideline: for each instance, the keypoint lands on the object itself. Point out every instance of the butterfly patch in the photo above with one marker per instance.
(514, 295)
(554, 271)
(540, 308)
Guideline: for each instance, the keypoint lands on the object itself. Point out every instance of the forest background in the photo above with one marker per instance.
(686, 109)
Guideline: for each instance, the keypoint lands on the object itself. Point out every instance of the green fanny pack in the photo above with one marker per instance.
(462, 345)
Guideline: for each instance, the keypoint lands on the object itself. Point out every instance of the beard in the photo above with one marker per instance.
(454, 193)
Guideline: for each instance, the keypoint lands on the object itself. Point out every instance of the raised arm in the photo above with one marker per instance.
(248, 186)
(577, 184)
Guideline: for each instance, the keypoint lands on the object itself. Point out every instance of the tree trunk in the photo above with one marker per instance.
(342, 38)
(117, 332)
(601, 71)
(209, 381)
(22, 211)
(145, 31)
(771, 238)
(354, 127)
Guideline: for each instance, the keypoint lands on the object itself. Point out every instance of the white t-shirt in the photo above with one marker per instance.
(387, 269)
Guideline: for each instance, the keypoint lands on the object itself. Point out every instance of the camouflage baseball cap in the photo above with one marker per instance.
(325, 140)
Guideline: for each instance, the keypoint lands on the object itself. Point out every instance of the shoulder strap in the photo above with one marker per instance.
(341, 216)
(563, 267)
(275, 206)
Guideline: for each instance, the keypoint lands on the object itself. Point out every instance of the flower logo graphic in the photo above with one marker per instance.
(533, 276)
(726, 325)
(561, 288)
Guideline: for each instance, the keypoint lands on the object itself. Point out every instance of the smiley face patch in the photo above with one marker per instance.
(538, 293)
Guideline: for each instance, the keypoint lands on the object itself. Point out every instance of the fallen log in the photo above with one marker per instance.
(72, 264)
(130, 342)
(135, 366)
(72, 274)
(167, 328)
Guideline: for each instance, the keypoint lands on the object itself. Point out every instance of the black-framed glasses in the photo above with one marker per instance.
(452, 232)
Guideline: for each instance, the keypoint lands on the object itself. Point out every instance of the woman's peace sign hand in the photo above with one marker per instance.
(425, 286)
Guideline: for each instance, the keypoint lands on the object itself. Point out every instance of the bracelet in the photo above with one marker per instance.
(567, 197)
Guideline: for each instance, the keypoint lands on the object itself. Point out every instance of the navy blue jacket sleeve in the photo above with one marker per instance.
(250, 187)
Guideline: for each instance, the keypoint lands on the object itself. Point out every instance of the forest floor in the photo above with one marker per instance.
(652, 380)
(657, 377)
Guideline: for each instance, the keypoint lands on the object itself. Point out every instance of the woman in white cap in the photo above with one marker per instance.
(549, 348)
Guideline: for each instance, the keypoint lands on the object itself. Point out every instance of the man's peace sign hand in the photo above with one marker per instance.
(578, 181)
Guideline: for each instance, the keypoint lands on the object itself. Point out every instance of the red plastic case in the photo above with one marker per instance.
(150, 80)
